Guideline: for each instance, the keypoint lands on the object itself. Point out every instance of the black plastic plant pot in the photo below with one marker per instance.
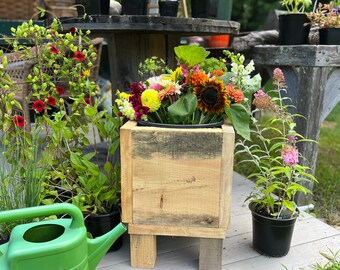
(100, 224)
(168, 8)
(204, 8)
(293, 29)
(272, 237)
(134, 7)
(329, 36)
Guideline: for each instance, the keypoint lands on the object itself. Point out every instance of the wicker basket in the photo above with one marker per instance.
(19, 9)
(60, 8)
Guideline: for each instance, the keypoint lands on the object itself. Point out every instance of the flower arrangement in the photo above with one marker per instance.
(293, 6)
(326, 15)
(275, 155)
(200, 90)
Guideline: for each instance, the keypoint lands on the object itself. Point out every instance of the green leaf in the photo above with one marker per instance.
(240, 119)
(183, 108)
(191, 54)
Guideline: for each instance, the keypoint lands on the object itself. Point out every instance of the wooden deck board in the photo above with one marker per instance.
(311, 236)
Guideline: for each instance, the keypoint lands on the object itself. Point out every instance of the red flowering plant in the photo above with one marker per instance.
(274, 153)
(61, 97)
(200, 90)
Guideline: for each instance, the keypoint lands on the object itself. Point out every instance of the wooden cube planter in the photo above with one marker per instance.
(176, 182)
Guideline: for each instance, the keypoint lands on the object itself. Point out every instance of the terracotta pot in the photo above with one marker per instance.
(220, 41)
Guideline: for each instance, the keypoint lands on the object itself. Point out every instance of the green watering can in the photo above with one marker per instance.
(60, 244)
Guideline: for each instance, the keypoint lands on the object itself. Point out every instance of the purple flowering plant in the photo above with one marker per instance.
(275, 154)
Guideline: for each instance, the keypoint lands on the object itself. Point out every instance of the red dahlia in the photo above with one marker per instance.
(38, 105)
(79, 56)
(19, 121)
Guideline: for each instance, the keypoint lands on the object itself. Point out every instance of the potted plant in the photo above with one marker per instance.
(55, 84)
(294, 25)
(275, 156)
(168, 7)
(327, 18)
(177, 151)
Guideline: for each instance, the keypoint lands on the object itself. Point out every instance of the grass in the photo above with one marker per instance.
(326, 193)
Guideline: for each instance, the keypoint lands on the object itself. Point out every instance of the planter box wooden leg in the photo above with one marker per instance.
(210, 254)
(143, 250)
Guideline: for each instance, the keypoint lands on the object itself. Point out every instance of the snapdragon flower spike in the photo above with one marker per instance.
(185, 70)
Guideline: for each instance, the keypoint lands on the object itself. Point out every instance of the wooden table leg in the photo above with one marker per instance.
(210, 254)
(143, 250)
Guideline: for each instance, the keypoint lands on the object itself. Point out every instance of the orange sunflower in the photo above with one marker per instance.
(212, 96)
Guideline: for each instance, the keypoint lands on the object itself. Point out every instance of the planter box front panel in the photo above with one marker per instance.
(177, 178)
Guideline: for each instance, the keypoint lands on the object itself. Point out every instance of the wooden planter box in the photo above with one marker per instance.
(174, 182)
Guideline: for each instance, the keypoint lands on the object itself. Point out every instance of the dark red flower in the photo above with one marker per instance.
(136, 90)
(60, 90)
(79, 56)
(38, 105)
(51, 101)
(73, 30)
(140, 111)
(19, 121)
(87, 101)
(53, 49)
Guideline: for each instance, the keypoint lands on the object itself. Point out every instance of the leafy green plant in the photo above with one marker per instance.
(296, 5)
(275, 156)
(62, 95)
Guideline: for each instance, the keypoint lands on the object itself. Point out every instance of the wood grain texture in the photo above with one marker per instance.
(210, 257)
(143, 250)
(199, 232)
(299, 55)
(180, 178)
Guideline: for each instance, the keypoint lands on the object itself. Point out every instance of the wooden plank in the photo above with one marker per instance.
(301, 55)
(143, 250)
(210, 257)
(200, 232)
(226, 175)
(176, 176)
(332, 93)
(126, 171)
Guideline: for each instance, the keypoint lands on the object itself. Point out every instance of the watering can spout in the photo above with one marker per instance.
(100, 245)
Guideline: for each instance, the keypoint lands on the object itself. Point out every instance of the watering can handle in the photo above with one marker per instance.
(45, 210)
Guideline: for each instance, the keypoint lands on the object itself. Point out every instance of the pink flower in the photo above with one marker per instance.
(156, 86)
(185, 70)
(262, 100)
(290, 155)
(196, 69)
(278, 77)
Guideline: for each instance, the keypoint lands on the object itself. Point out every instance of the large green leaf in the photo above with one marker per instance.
(191, 54)
(240, 119)
(183, 108)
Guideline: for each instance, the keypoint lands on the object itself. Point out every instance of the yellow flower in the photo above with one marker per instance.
(176, 74)
(87, 73)
(150, 99)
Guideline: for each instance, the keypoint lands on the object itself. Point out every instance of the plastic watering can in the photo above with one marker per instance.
(60, 244)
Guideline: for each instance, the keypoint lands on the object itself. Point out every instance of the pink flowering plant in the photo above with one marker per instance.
(200, 90)
(326, 15)
(275, 155)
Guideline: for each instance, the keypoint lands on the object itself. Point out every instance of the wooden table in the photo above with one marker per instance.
(133, 38)
(312, 74)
